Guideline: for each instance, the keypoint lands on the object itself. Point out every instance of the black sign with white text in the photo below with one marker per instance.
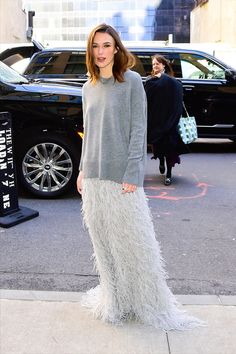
(8, 188)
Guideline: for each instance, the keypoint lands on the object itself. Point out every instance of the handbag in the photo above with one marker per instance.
(187, 128)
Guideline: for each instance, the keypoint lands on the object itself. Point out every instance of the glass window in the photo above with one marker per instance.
(21, 65)
(41, 64)
(67, 6)
(10, 76)
(79, 68)
(198, 67)
(58, 64)
(79, 22)
(144, 63)
(48, 7)
(45, 59)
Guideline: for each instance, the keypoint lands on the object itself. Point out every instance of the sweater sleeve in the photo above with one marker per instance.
(81, 158)
(138, 127)
(83, 142)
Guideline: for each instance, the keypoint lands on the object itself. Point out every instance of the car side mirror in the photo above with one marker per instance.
(230, 76)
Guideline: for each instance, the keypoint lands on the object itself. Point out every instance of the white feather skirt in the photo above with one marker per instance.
(128, 260)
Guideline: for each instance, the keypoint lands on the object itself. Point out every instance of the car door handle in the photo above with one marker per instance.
(188, 87)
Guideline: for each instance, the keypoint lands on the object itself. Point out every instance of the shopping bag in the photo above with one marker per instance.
(187, 128)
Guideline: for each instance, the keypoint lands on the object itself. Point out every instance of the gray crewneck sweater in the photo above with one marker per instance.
(114, 144)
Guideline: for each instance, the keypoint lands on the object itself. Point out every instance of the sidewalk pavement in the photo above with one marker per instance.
(38, 322)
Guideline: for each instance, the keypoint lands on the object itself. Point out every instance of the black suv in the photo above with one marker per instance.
(47, 125)
(47, 118)
(209, 84)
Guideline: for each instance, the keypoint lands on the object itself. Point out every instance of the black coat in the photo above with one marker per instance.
(165, 105)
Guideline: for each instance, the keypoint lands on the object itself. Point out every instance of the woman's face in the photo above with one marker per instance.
(104, 51)
(157, 67)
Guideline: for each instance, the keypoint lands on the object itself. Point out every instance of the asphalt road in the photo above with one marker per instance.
(194, 220)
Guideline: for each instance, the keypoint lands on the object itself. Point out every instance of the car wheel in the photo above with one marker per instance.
(48, 165)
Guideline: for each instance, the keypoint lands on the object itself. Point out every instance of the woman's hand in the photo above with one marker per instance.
(128, 188)
(79, 182)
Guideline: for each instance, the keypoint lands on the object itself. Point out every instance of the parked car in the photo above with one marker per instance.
(209, 84)
(47, 126)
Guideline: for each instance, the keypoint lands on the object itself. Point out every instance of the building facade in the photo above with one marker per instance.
(214, 21)
(13, 22)
(72, 20)
(173, 17)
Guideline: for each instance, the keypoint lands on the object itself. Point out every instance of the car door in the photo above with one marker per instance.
(208, 95)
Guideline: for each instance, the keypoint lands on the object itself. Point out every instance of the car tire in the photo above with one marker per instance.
(47, 164)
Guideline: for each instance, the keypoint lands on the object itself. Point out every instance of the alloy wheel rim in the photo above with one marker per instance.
(47, 167)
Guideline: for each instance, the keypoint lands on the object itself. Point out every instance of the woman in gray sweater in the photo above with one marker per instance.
(126, 253)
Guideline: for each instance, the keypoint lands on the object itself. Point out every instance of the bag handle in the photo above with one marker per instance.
(185, 109)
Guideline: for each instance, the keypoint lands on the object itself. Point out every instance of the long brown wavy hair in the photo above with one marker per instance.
(165, 62)
(123, 59)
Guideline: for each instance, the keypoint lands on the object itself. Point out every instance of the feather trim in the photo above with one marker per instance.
(128, 260)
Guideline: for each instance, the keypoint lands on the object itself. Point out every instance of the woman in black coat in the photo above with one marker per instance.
(164, 97)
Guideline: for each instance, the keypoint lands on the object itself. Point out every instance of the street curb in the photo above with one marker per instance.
(57, 296)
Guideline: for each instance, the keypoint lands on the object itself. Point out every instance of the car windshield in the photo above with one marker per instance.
(10, 76)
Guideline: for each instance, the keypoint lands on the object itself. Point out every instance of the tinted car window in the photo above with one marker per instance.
(76, 64)
(195, 66)
(57, 63)
(9, 75)
(144, 63)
